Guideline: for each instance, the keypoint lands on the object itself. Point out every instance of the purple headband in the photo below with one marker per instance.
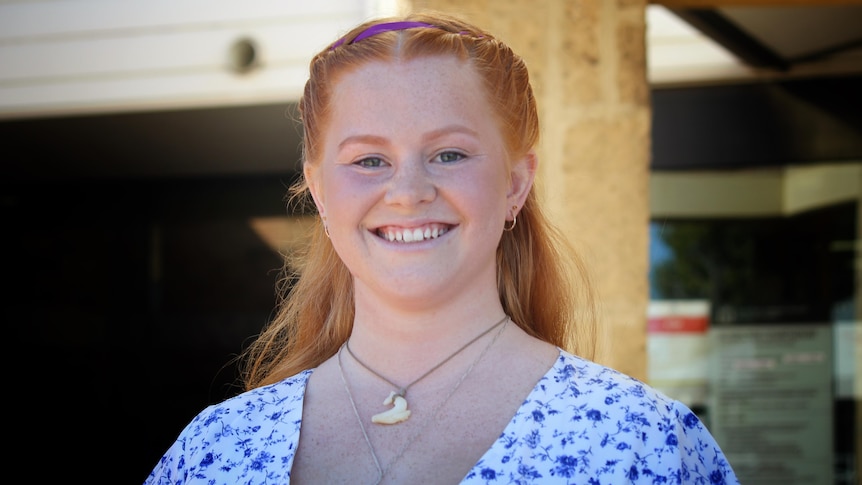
(385, 27)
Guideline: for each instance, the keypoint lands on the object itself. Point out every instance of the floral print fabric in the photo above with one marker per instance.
(583, 423)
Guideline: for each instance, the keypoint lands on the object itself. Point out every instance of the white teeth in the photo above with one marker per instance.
(414, 235)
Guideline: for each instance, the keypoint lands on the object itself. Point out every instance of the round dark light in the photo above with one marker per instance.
(243, 55)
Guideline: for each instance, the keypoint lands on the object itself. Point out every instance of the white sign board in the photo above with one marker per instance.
(771, 402)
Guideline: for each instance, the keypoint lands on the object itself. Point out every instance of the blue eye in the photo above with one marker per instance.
(449, 157)
(370, 162)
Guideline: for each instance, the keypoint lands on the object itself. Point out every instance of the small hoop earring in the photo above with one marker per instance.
(509, 228)
(514, 220)
(325, 227)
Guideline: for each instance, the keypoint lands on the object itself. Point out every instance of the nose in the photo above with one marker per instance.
(411, 184)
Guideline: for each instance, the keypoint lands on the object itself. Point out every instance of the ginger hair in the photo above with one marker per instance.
(543, 284)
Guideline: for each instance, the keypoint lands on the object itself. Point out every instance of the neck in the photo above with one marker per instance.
(405, 346)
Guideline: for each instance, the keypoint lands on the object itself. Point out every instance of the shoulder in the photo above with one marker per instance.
(588, 423)
(582, 390)
(274, 403)
(258, 403)
(584, 378)
(252, 433)
(601, 397)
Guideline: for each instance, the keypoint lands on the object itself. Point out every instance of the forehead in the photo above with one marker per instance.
(413, 92)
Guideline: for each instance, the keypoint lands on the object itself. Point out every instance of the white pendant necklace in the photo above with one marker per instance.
(398, 397)
(381, 472)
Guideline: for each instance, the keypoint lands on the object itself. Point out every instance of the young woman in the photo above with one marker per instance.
(432, 334)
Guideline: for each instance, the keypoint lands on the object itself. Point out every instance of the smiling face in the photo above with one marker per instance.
(413, 180)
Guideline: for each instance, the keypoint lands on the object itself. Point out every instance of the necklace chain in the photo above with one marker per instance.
(381, 472)
(402, 391)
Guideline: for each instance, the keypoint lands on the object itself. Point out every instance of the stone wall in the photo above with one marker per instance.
(587, 59)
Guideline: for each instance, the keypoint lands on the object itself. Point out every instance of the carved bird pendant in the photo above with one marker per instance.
(397, 413)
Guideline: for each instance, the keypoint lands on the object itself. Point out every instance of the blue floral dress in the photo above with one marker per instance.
(583, 423)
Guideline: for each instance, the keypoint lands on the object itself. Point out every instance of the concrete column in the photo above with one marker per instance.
(587, 59)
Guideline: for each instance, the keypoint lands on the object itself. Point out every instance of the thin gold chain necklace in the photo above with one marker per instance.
(398, 398)
(381, 472)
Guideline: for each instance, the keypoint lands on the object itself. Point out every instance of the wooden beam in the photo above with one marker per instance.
(752, 3)
(726, 33)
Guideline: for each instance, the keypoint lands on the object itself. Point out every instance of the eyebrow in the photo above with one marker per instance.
(454, 128)
(431, 135)
(363, 139)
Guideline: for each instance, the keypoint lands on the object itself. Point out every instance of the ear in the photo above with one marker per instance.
(521, 177)
(314, 187)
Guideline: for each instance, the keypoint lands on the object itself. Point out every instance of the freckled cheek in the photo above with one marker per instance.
(349, 198)
(494, 217)
(484, 199)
